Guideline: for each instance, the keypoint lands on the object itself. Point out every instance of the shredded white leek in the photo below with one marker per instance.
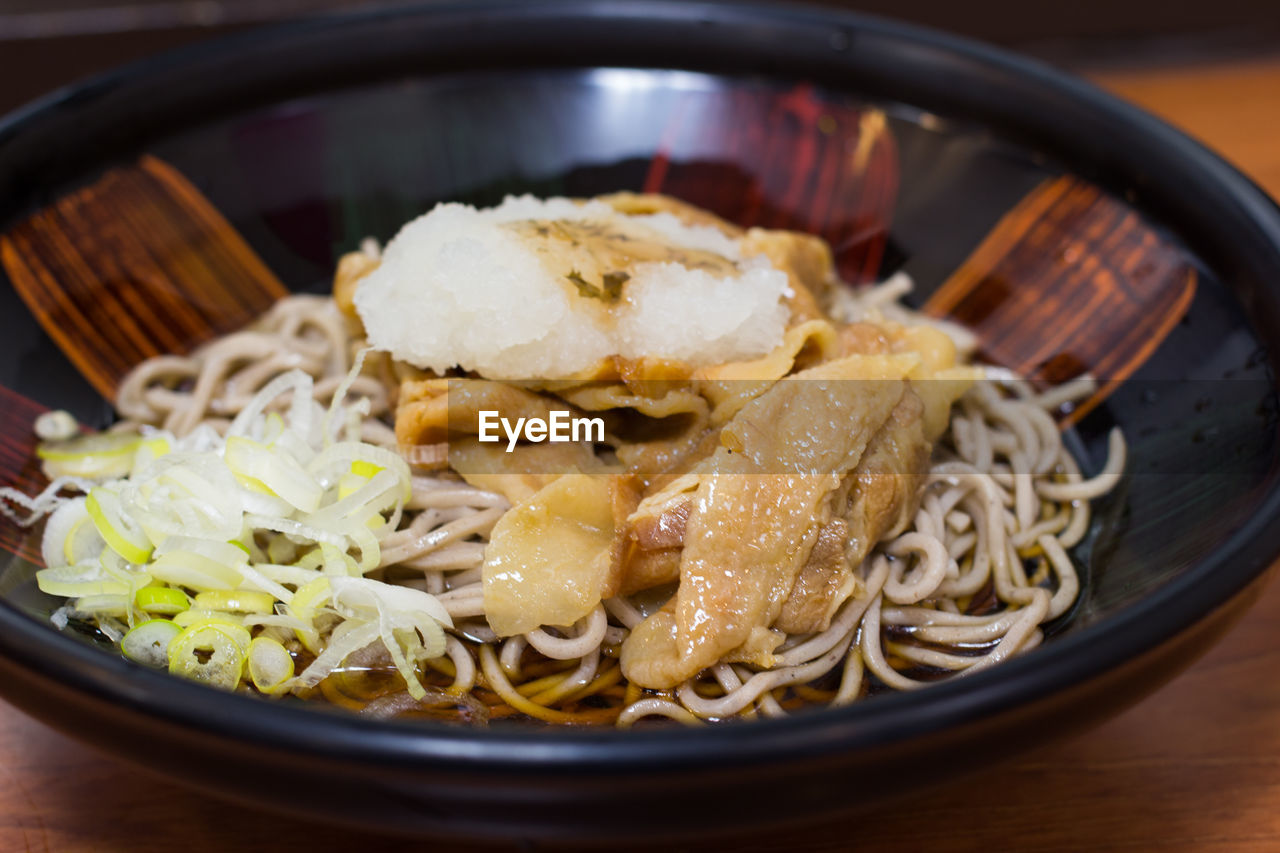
(148, 643)
(270, 529)
(270, 665)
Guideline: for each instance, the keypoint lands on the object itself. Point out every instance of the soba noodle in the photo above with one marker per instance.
(971, 582)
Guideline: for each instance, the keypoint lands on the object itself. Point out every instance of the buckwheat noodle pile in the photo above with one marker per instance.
(985, 560)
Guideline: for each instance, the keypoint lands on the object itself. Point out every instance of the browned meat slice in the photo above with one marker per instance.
(352, 267)
(886, 483)
(864, 338)
(807, 262)
(552, 557)
(642, 569)
(642, 204)
(826, 577)
(881, 498)
(758, 509)
(665, 530)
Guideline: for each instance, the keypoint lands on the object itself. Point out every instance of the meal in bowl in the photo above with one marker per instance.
(585, 462)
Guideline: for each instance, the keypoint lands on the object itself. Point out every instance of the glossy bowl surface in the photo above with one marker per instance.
(309, 136)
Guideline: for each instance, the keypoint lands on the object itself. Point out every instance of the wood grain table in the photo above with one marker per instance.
(1194, 767)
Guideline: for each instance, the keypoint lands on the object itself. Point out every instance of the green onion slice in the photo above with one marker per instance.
(148, 642)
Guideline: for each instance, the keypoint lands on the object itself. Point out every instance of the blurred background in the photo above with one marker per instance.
(46, 43)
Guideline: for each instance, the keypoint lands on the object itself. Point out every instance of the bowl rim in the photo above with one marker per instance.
(1071, 659)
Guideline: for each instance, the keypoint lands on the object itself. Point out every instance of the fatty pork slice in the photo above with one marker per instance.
(760, 504)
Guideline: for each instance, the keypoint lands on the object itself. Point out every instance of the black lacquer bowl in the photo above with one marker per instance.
(1074, 232)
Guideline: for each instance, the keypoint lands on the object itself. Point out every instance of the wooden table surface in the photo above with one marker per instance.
(1194, 767)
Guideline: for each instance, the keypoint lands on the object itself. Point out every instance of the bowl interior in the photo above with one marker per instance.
(304, 178)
